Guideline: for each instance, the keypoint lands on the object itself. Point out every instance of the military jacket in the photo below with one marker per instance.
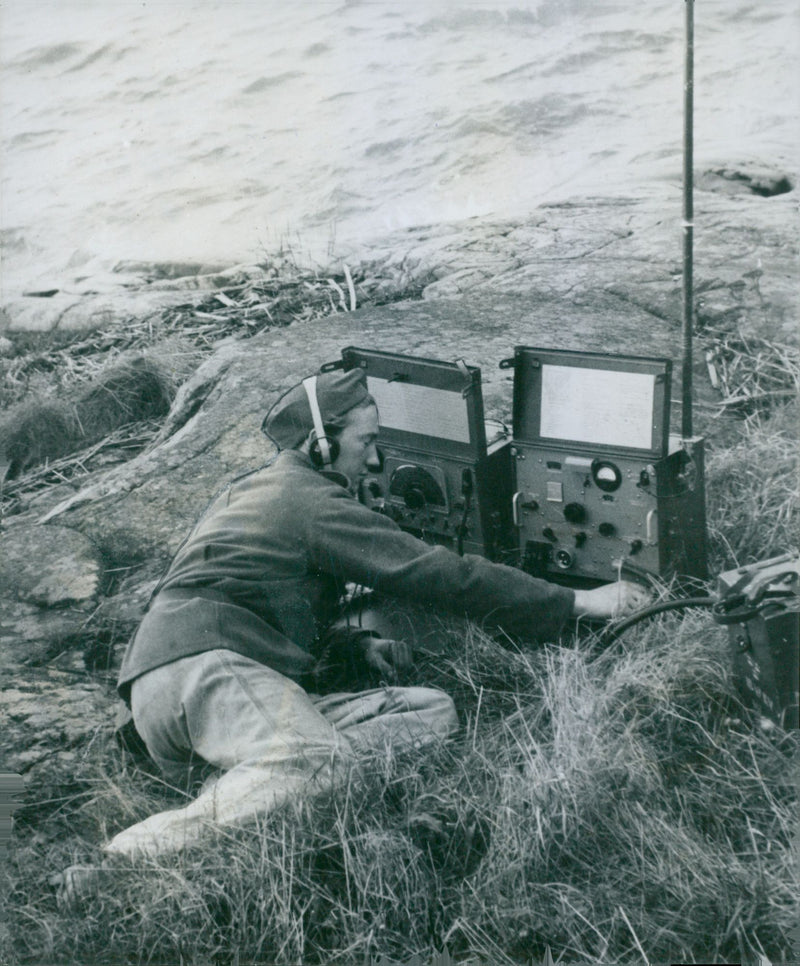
(263, 571)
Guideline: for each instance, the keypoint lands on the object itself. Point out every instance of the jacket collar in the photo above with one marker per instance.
(295, 456)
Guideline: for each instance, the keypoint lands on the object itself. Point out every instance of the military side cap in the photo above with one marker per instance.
(289, 421)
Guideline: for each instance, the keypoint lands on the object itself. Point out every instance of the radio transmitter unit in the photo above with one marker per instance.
(599, 483)
(439, 479)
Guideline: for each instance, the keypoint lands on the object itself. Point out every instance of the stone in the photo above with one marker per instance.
(35, 313)
(49, 583)
(748, 177)
(143, 509)
(168, 270)
(32, 635)
(47, 720)
(49, 566)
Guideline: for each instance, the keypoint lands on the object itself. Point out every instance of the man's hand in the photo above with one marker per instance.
(610, 600)
(387, 657)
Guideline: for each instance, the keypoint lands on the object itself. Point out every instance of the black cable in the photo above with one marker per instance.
(461, 530)
(612, 633)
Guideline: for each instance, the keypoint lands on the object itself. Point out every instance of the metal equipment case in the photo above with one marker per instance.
(599, 483)
(760, 604)
(440, 479)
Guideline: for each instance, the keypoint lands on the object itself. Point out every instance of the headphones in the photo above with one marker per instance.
(321, 450)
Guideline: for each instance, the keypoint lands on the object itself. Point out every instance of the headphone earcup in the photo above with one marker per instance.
(315, 451)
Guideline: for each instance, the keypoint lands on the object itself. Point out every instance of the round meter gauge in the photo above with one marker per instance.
(606, 475)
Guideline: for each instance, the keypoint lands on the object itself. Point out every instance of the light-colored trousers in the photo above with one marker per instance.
(271, 738)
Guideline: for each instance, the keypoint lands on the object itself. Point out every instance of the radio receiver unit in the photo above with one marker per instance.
(599, 484)
(439, 479)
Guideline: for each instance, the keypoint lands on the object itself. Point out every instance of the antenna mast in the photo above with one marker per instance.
(688, 223)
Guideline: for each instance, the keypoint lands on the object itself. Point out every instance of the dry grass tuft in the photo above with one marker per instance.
(645, 821)
(613, 806)
(41, 430)
(753, 375)
(752, 491)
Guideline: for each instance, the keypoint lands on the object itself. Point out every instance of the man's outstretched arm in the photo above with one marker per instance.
(356, 544)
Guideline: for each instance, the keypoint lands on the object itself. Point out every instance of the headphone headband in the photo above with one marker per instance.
(310, 386)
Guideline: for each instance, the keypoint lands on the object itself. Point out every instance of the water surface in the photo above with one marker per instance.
(218, 130)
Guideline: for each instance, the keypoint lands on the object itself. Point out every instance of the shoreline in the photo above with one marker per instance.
(461, 255)
(620, 255)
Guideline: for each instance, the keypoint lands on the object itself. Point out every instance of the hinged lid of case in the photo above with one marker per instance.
(424, 404)
(593, 400)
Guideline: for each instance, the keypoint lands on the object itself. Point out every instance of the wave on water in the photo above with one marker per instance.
(158, 133)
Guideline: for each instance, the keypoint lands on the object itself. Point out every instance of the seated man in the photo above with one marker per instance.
(216, 669)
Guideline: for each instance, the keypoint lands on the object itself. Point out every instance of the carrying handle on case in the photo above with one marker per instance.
(515, 508)
(650, 539)
(750, 595)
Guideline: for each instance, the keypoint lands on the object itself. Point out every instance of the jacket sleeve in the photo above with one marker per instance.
(352, 543)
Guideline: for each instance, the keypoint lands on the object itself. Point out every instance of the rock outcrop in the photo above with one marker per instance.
(50, 579)
(50, 706)
(49, 716)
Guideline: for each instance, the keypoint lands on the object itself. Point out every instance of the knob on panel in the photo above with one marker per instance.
(575, 513)
(414, 498)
